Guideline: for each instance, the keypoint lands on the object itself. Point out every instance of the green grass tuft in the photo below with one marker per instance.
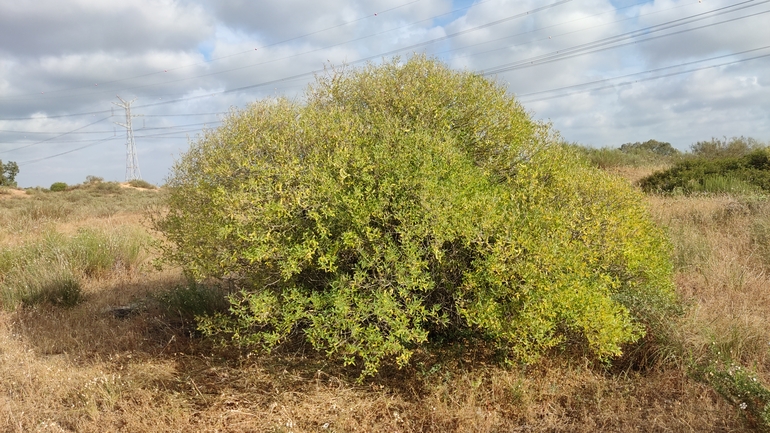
(139, 183)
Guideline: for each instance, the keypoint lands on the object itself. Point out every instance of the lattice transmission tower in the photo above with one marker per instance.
(132, 162)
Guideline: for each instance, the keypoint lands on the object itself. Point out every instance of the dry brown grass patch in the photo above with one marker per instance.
(87, 369)
(633, 174)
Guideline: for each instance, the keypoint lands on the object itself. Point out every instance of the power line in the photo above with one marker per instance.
(601, 44)
(360, 60)
(105, 132)
(524, 96)
(494, 71)
(59, 116)
(508, 47)
(369, 16)
(568, 54)
(53, 138)
(32, 161)
(307, 74)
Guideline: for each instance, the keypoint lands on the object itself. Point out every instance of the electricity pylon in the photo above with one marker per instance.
(132, 162)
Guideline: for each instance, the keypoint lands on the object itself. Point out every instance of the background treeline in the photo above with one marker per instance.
(735, 165)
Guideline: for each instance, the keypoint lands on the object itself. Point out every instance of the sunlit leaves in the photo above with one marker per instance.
(408, 201)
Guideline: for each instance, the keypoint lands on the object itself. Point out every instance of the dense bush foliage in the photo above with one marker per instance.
(405, 202)
(8, 172)
(650, 146)
(737, 174)
(58, 186)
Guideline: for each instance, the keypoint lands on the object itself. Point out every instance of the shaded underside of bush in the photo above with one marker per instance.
(405, 202)
(733, 174)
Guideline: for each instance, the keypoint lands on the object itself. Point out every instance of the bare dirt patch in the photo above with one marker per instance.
(6, 193)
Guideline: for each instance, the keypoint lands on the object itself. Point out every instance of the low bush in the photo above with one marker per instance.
(192, 301)
(739, 387)
(139, 183)
(407, 203)
(740, 174)
(58, 187)
(108, 187)
(61, 289)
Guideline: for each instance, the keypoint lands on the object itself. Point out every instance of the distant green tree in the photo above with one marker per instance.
(720, 148)
(58, 186)
(654, 146)
(8, 173)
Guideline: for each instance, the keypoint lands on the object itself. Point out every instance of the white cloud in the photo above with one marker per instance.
(196, 53)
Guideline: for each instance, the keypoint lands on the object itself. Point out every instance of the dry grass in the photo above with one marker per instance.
(634, 174)
(83, 369)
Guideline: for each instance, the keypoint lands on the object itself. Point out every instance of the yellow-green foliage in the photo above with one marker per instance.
(407, 201)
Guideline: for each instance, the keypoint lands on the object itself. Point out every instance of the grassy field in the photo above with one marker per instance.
(94, 338)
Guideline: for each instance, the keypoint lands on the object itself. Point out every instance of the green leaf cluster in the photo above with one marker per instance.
(58, 187)
(8, 172)
(405, 202)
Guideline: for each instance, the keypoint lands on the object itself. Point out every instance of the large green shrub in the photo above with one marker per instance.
(404, 202)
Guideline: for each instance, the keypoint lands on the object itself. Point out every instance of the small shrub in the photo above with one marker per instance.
(108, 187)
(58, 187)
(92, 180)
(739, 387)
(139, 183)
(62, 290)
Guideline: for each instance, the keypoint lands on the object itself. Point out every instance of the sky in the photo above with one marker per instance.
(602, 72)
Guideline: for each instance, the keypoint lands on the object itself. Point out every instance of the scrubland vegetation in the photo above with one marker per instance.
(370, 288)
